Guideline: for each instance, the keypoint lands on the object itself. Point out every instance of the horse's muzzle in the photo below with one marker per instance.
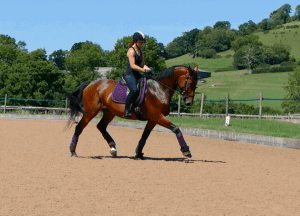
(187, 101)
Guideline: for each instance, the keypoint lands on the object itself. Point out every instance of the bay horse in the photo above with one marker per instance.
(96, 96)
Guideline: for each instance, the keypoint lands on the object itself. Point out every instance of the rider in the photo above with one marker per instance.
(135, 65)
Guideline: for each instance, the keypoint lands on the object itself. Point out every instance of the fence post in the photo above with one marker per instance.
(66, 106)
(178, 105)
(5, 103)
(201, 109)
(227, 100)
(260, 105)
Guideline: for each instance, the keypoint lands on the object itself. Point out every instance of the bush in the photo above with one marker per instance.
(217, 56)
(266, 32)
(228, 56)
(273, 69)
(292, 26)
(230, 68)
(207, 53)
(288, 63)
(220, 108)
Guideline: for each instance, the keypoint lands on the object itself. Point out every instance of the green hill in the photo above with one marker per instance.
(283, 35)
(287, 36)
(236, 83)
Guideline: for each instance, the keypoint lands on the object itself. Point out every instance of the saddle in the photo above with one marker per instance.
(121, 90)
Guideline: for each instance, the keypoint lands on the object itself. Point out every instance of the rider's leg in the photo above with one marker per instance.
(132, 84)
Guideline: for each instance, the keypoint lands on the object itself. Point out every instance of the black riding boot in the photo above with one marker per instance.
(129, 100)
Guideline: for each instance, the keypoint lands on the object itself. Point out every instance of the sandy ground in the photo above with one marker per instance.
(37, 176)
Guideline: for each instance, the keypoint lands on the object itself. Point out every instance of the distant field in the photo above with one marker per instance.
(205, 64)
(241, 86)
(286, 36)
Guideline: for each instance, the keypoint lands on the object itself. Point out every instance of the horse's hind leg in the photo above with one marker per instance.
(102, 125)
(139, 148)
(78, 130)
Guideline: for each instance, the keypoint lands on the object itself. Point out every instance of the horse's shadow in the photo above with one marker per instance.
(185, 160)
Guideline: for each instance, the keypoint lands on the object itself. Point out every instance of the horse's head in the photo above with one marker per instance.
(187, 84)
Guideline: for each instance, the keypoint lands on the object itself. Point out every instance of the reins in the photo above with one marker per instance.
(184, 93)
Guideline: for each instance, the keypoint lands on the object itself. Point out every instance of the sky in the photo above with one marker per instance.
(55, 25)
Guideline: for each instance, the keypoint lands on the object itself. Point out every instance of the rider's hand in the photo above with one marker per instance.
(146, 68)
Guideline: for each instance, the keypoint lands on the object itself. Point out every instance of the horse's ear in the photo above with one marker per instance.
(196, 68)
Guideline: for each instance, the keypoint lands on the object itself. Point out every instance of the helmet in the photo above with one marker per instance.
(139, 36)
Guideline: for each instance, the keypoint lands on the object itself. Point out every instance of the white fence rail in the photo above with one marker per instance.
(48, 110)
(291, 116)
(45, 110)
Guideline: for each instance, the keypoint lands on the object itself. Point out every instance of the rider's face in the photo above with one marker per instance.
(139, 43)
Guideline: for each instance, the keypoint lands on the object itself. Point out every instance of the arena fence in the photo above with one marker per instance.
(64, 110)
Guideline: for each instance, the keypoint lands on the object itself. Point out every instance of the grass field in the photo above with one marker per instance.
(205, 64)
(290, 37)
(244, 86)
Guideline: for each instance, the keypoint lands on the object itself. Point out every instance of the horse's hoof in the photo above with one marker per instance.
(187, 154)
(113, 152)
(73, 154)
(139, 156)
(186, 151)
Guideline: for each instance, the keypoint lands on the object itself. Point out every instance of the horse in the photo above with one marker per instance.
(96, 96)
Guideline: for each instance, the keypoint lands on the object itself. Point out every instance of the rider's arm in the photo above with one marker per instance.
(130, 55)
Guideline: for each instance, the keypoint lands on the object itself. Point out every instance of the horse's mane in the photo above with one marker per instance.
(167, 72)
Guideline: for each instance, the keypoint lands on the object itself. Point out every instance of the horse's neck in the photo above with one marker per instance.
(171, 83)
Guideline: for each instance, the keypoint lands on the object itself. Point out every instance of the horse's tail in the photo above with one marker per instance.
(75, 100)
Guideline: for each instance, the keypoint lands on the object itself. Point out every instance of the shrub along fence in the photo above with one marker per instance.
(229, 107)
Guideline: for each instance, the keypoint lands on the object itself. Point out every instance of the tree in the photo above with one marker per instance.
(247, 27)
(183, 44)
(88, 56)
(222, 24)
(82, 60)
(162, 51)
(30, 75)
(275, 54)
(218, 40)
(297, 12)
(263, 25)
(21, 45)
(281, 15)
(243, 41)
(247, 56)
(59, 58)
(293, 89)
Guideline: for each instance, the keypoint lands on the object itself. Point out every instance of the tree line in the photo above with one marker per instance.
(219, 37)
(33, 75)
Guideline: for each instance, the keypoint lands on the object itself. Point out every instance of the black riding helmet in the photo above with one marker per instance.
(139, 36)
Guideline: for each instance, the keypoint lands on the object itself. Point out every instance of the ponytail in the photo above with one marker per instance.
(131, 44)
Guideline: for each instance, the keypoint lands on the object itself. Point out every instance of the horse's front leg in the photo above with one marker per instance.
(163, 121)
(139, 148)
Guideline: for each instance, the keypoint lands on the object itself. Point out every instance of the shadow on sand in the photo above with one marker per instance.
(185, 160)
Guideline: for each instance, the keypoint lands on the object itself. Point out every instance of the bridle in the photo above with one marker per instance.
(185, 93)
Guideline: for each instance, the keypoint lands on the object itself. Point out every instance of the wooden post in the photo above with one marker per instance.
(260, 105)
(178, 105)
(227, 101)
(66, 106)
(201, 109)
(5, 103)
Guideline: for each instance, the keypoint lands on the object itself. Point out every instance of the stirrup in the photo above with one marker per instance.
(127, 113)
